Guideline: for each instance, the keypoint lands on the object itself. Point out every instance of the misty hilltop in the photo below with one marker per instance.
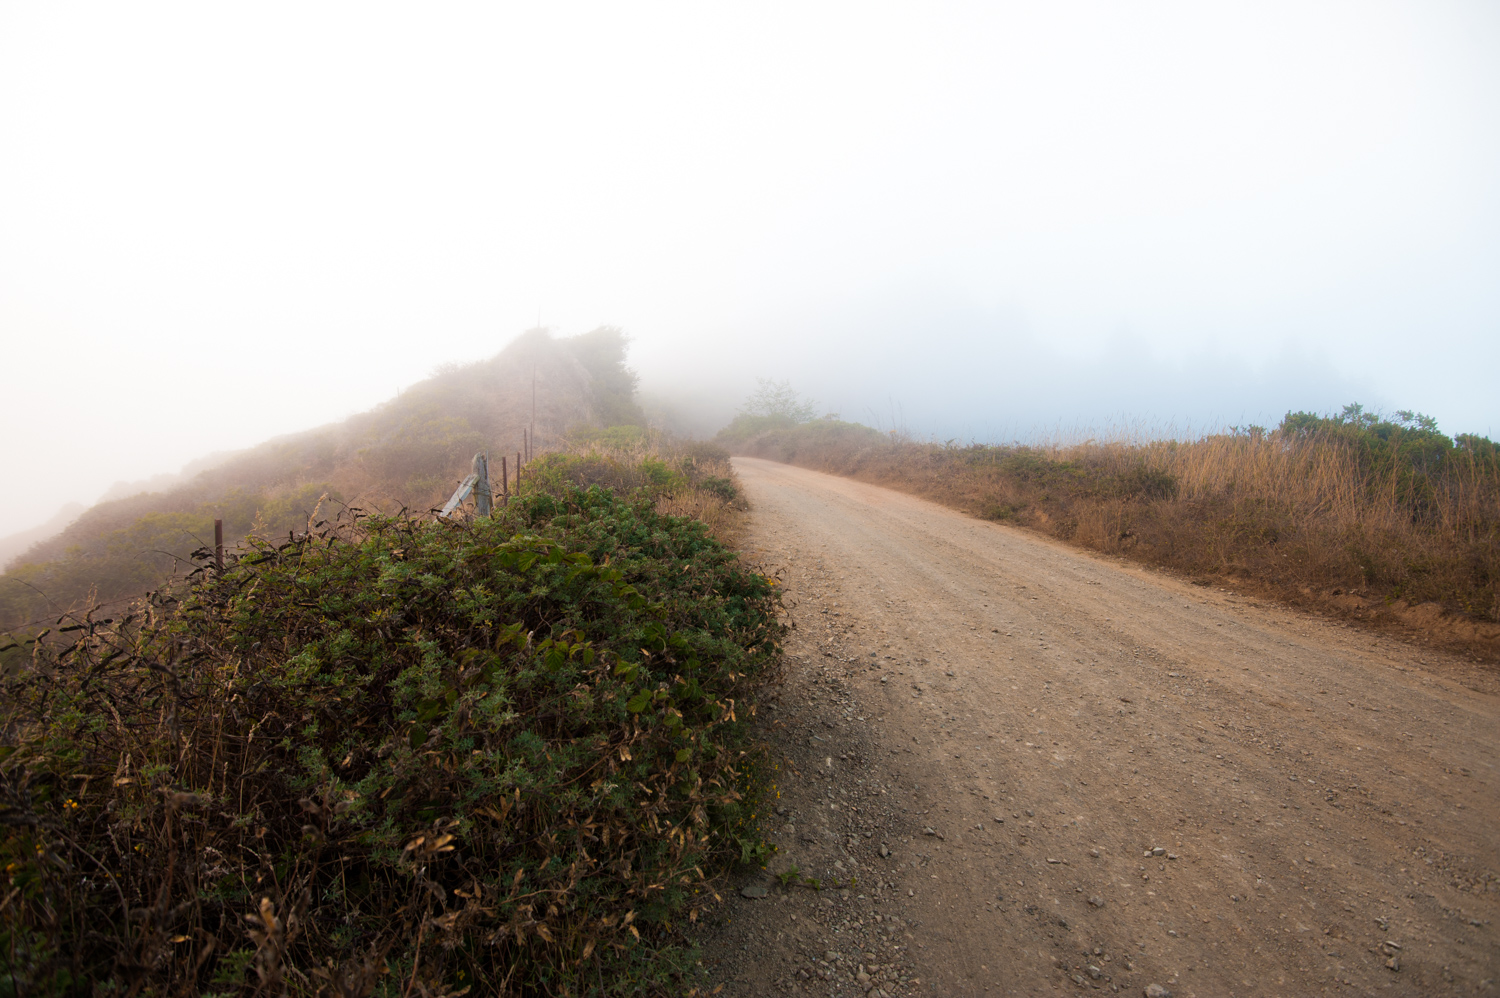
(406, 453)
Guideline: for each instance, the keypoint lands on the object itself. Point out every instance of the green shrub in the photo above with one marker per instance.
(721, 487)
(410, 758)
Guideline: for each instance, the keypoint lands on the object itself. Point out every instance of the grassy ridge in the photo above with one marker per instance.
(1354, 513)
(510, 754)
(408, 452)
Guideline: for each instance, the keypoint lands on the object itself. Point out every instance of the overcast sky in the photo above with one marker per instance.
(219, 223)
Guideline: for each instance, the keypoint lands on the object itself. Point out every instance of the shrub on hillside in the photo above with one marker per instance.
(397, 758)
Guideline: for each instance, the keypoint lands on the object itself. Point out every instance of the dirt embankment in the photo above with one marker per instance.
(1030, 768)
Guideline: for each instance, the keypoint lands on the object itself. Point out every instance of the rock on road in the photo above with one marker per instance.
(1080, 774)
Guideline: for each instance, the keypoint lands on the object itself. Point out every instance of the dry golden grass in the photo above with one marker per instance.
(1348, 519)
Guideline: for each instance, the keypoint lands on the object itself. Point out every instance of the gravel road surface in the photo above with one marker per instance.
(1019, 768)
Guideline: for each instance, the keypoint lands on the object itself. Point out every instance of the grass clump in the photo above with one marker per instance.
(391, 757)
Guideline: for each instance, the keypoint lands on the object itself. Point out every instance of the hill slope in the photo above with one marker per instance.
(407, 452)
(13, 545)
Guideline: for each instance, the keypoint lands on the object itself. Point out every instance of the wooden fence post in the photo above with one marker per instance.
(219, 545)
(459, 494)
(482, 494)
(504, 481)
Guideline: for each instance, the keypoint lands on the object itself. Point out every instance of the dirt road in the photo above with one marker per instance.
(1019, 768)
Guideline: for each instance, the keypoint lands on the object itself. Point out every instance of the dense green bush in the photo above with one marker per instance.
(510, 754)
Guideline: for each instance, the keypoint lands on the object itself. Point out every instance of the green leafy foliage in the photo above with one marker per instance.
(724, 488)
(510, 754)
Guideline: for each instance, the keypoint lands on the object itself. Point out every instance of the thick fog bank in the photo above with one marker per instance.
(955, 377)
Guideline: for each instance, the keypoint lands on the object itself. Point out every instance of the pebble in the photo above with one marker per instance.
(754, 891)
(1096, 901)
(1157, 991)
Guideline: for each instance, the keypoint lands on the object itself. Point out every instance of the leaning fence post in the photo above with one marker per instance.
(219, 545)
(459, 495)
(482, 494)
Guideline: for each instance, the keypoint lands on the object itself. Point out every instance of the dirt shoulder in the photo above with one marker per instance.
(988, 731)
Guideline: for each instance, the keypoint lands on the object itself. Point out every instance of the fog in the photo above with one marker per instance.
(986, 221)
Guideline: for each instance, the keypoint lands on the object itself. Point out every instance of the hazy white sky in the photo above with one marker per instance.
(220, 223)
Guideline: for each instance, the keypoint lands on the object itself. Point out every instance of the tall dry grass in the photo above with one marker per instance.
(1365, 518)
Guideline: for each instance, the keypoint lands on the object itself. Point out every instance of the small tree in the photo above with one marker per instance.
(778, 400)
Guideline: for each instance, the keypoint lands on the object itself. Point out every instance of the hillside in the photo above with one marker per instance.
(12, 546)
(407, 452)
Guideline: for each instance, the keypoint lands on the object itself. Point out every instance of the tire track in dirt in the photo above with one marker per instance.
(1319, 803)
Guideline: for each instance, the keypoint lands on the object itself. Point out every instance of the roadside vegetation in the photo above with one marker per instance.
(1378, 518)
(381, 753)
(683, 477)
(392, 756)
